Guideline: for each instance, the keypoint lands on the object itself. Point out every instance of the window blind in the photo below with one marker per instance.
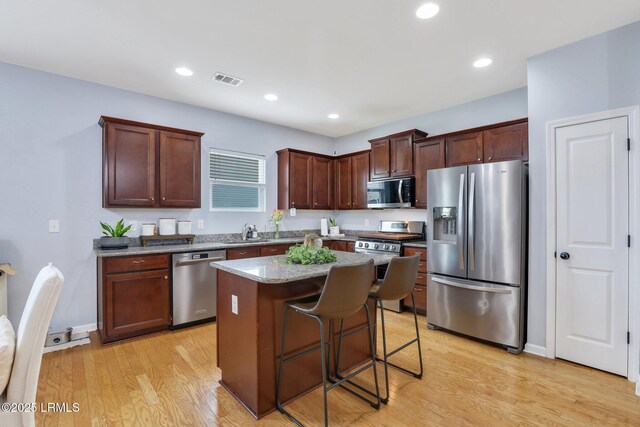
(237, 181)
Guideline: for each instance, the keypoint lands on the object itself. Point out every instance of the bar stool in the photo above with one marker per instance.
(345, 293)
(397, 284)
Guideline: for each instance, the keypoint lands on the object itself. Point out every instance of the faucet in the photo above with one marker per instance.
(245, 230)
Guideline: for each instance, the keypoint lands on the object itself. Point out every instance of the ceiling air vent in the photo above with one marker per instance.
(227, 79)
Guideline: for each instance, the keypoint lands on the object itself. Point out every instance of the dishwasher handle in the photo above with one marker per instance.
(197, 261)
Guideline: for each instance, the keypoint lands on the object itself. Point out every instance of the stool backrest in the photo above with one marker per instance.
(400, 278)
(345, 290)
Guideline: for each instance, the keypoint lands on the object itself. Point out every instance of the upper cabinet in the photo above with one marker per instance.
(305, 180)
(392, 156)
(146, 165)
(428, 153)
(494, 143)
(352, 174)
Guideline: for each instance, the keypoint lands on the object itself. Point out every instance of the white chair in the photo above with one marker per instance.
(30, 339)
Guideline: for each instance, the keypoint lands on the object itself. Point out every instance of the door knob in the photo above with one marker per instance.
(565, 255)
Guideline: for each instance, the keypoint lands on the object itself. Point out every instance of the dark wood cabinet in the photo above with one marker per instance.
(464, 149)
(401, 156)
(274, 250)
(420, 288)
(352, 175)
(493, 143)
(343, 183)
(240, 253)
(380, 159)
(322, 177)
(506, 143)
(428, 153)
(351, 246)
(147, 165)
(179, 170)
(392, 155)
(305, 180)
(337, 245)
(133, 296)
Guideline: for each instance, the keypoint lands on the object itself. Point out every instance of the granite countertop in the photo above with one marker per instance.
(205, 246)
(422, 244)
(274, 269)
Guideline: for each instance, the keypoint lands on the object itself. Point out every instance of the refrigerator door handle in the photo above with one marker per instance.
(459, 229)
(470, 287)
(472, 223)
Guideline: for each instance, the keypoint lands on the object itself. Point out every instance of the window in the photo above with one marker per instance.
(236, 181)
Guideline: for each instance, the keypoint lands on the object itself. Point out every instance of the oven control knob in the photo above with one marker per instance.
(393, 247)
(376, 246)
(359, 244)
(386, 247)
(366, 245)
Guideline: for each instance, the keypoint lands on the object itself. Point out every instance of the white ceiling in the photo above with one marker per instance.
(371, 61)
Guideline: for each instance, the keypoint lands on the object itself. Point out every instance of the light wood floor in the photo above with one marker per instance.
(171, 379)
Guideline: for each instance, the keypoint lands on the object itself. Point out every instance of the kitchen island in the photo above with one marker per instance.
(250, 311)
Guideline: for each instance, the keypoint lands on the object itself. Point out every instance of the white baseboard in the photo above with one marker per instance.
(538, 350)
(66, 345)
(82, 331)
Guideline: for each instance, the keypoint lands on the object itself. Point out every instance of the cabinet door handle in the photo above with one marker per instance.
(166, 277)
(153, 198)
(242, 253)
(420, 277)
(418, 289)
(138, 261)
(164, 198)
(490, 157)
(478, 158)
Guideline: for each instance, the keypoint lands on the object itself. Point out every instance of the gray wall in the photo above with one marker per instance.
(596, 74)
(50, 146)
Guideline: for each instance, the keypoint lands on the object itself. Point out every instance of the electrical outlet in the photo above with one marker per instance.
(201, 224)
(134, 225)
(234, 304)
(366, 222)
(54, 226)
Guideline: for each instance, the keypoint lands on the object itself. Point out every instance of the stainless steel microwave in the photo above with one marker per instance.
(391, 193)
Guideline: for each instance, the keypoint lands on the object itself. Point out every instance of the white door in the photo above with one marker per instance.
(592, 314)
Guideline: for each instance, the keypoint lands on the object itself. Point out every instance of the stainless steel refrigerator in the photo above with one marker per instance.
(476, 251)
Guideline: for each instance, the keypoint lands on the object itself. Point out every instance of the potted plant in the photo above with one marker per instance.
(333, 226)
(114, 237)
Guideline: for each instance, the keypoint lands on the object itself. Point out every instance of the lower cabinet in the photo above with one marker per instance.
(351, 246)
(337, 245)
(420, 287)
(240, 253)
(274, 250)
(133, 296)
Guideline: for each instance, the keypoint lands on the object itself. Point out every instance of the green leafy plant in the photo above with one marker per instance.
(332, 222)
(118, 231)
(307, 255)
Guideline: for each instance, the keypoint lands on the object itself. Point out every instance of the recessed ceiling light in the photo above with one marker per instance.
(184, 71)
(334, 116)
(482, 62)
(427, 11)
(271, 97)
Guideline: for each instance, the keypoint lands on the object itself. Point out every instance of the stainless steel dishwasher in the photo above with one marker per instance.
(194, 288)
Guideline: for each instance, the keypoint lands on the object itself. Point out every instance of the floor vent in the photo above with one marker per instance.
(227, 79)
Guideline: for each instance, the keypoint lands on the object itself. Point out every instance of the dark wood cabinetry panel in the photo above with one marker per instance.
(179, 170)
(359, 177)
(420, 288)
(351, 246)
(147, 165)
(300, 180)
(380, 159)
(240, 253)
(133, 296)
(343, 183)
(464, 149)
(506, 143)
(274, 250)
(337, 245)
(129, 165)
(323, 175)
(401, 156)
(420, 296)
(428, 154)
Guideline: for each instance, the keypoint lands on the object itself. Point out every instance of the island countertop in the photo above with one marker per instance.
(275, 269)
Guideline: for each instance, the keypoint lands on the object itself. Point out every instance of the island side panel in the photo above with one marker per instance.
(304, 373)
(237, 338)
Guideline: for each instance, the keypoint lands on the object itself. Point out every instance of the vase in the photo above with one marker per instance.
(277, 230)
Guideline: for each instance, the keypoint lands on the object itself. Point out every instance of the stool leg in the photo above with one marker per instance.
(373, 356)
(324, 371)
(385, 400)
(415, 319)
(339, 347)
(284, 334)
